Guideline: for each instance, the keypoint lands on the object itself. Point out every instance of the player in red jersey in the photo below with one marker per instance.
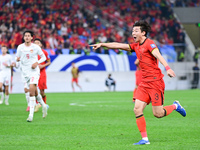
(138, 77)
(151, 89)
(42, 84)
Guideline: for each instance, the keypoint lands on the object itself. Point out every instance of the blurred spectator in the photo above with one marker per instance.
(195, 81)
(59, 50)
(196, 56)
(52, 41)
(109, 83)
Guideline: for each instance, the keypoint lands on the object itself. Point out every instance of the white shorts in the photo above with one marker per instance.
(30, 80)
(5, 79)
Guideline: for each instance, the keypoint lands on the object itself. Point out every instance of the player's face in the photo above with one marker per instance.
(137, 34)
(4, 50)
(27, 37)
(38, 43)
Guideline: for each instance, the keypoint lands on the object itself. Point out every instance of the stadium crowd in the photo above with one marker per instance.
(72, 24)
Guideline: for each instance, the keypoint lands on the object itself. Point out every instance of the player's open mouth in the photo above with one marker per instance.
(134, 38)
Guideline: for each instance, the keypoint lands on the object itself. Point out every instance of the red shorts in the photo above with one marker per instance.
(75, 80)
(42, 84)
(151, 92)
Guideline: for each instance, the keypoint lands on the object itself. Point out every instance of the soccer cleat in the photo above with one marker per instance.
(37, 107)
(142, 142)
(44, 111)
(6, 102)
(180, 109)
(29, 119)
(28, 108)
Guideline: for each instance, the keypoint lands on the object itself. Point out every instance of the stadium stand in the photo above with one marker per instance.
(67, 24)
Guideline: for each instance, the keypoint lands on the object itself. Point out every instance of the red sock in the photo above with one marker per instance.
(44, 99)
(169, 109)
(141, 123)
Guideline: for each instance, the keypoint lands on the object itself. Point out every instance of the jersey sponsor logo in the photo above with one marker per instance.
(153, 45)
(31, 51)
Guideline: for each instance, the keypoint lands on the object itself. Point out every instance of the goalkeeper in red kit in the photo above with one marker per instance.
(151, 88)
(42, 83)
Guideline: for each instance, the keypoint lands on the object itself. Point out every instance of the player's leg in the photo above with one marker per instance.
(78, 85)
(6, 94)
(40, 100)
(140, 121)
(142, 99)
(27, 94)
(1, 93)
(160, 111)
(43, 95)
(76, 80)
(32, 101)
(157, 99)
(114, 85)
(72, 83)
(42, 84)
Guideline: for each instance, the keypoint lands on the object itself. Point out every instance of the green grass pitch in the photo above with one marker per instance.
(98, 121)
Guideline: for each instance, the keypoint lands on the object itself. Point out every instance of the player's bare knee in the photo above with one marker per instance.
(137, 110)
(158, 115)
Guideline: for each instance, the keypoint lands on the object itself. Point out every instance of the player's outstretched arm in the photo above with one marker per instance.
(157, 54)
(113, 45)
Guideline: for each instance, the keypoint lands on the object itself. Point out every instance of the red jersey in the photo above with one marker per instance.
(43, 70)
(148, 63)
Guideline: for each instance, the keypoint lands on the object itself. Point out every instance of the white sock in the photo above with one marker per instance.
(2, 95)
(145, 138)
(32, 105)
(27, 98)
(40, 100)
(6, 98)
(176, 106)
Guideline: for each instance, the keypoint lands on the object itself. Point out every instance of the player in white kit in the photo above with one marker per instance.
(27, 54)
(5, 73)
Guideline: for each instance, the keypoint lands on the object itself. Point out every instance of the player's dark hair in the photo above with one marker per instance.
(28, 31)
(4, 46)
(144, 26)
(37, 39)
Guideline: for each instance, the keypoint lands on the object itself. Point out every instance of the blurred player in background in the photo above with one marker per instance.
(27, 54)
(110, 82)
(75, 73)
(138, 77)
(151, 89)
(42, 84)
(5, 74)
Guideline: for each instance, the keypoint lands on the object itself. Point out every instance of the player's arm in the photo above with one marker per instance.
(42, 58)
(18, 54)
(113, 45)
(157, 54)
(48, 61)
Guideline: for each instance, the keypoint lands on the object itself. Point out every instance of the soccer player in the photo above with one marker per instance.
(110, 82)
(75, 72)
(151, 89)
(27, 54)
(138, 77)
(5, 74)
(43, 76)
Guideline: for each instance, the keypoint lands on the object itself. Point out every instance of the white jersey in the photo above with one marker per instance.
(5, 59)
(28, 56)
